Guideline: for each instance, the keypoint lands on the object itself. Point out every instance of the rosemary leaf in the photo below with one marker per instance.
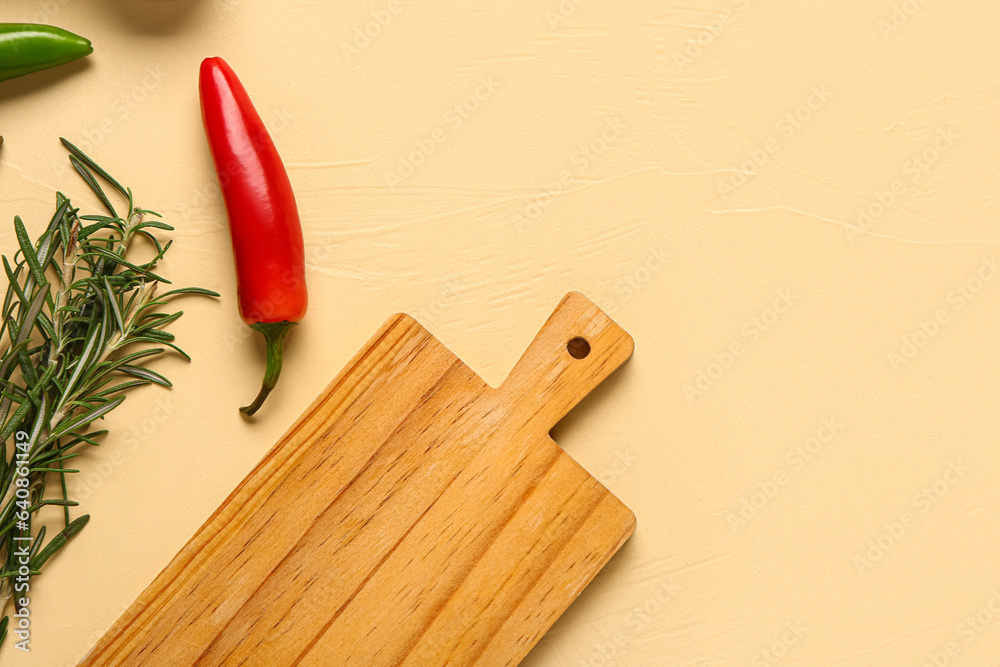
(92, 182)
(74, 301)
(80, 155)
(28, 252)
(59, 541)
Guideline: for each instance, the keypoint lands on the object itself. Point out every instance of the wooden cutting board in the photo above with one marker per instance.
(413, 515)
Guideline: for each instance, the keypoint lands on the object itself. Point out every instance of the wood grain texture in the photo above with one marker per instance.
(412, 515)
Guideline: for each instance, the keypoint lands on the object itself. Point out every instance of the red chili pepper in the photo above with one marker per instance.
(263, 218)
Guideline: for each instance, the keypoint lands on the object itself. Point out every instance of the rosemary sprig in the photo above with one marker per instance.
(78, 325)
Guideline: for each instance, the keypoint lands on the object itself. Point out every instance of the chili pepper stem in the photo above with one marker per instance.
(274, 339)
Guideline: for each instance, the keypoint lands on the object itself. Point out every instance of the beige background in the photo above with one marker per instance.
(807, 430)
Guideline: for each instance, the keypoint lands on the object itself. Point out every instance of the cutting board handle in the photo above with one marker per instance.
(575, 350)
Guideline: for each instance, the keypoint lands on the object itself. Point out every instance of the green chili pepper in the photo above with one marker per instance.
(29, 47)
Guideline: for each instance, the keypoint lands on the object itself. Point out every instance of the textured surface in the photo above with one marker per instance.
(649, 230)
(412, 515)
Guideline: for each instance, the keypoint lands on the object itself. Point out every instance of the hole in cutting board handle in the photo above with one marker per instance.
(578, 347)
